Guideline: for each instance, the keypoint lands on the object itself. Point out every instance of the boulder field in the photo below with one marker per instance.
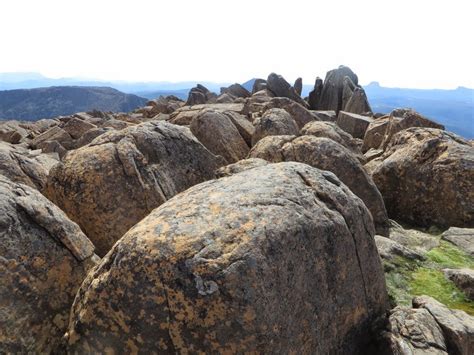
(253, 220)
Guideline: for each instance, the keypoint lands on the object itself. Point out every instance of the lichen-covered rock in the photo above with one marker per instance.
(217, 132)
(274, 122)
(326, 154)
(426, 177)
(114, 182)
(12, 132)
(243, 125)
(240, 166)
(463, 238)
(44, 257)
(413, 332)
(463, 279)
(375, 133)
(390, 249)
(24, 166)
(275, 259)
(354, 124)
(457, 326)
(333, 131)
(299, 113)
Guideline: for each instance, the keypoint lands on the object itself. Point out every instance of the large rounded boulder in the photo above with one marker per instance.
(326, 154)
(426, 177)
(118, 179)
(44, 257)
(276, 259)
(274, 122)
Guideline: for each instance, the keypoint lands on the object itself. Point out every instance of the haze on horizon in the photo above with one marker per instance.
(412, 44)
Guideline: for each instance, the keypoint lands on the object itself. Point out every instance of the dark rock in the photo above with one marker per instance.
(326, 154)
(114, 182)
(281, 88)
(298, 86)
(276, 259)
(354, 124)
(44, 257)
(237, 90)
(258, 85)
(358, 102)
(299, 113)
(329, 116)
(274, 122)
(53, 147)
(199, 95)
(457, 326)
(332, 91)
(315, 95)
(426, 177)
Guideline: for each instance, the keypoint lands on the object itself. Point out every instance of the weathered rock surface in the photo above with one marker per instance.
(329, 116)
(44, 258)
(463, 279)
(298, 86)
(413, 332)
(236, 90)
(111, 184)
(413, 239)
(24, 166)
(332, 131)
(184, 115)
(375, 133)
(243, 125)
(315, 95)
(357, 102)
(463, 238)
(258, 85)
(426, 177)
(457, 326)
(12, 132)
(354, 124)
(281, 88)
(217, 132)
(276, 259)
(200, 95)
(274, 122)
(332, 91)
(326, 154)
(242, 165)
(300, 114)
(389, 249)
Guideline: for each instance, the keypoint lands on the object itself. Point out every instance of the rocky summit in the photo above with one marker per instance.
(252, 220)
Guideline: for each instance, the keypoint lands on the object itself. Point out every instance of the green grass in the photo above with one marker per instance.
(406, 278)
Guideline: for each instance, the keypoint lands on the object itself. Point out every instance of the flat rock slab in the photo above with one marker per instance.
(354, 124)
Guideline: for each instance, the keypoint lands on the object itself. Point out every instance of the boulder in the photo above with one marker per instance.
(457, 326)
(281, 88)
(389, 249)
(259, 85)
(372, 153)
(426, 177)
(118, 179)
(375, 133)
(55, 133)
(44, 257)
(401, 119)
(225, 99)
(418, 241)
(24, 166)
(463, 238)
(274, 122)
(299, 113)
(217, 132)
(53, 147)
(463, 279)
(184, 115)
(241, 165)
(243, 125)
(331, 97)
(358, 102)
(236, 90)
(315, 95)
(76, 127)
(298, 86)
(413, 331)
(275, 259)
(326, 154)
(329, 116)
(199, 95)
(332, 131)
(354, 124)
(12, 132)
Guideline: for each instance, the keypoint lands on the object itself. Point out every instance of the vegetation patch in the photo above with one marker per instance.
(407, 278)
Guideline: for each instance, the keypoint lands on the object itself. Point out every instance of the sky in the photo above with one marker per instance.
(400, 43)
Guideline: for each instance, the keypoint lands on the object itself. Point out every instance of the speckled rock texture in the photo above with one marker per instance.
(118, 179)
(324, 153)
(413, 332)
(217, 132)
(426, 177)
(276, 259)
(300, 114)
(274, 122)
(24, 166)
(240, 166)
(463, 238)
(44, 257)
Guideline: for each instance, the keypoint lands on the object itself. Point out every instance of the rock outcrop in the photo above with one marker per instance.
(463, 279)
(426, 177)
(236, 90)
(463, 238)
(44, 258)
(299, 113)
(298, 86)
(274, 122)
(326, 154)
(281, 88)
(315, 95)
(111, 184)
(275, 259)
(200, 95)
(217, 132)
(354, 124)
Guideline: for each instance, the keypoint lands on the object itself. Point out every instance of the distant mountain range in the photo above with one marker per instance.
(31, 104)
(453, 108)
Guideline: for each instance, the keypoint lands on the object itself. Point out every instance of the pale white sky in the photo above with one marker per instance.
(402, 43)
